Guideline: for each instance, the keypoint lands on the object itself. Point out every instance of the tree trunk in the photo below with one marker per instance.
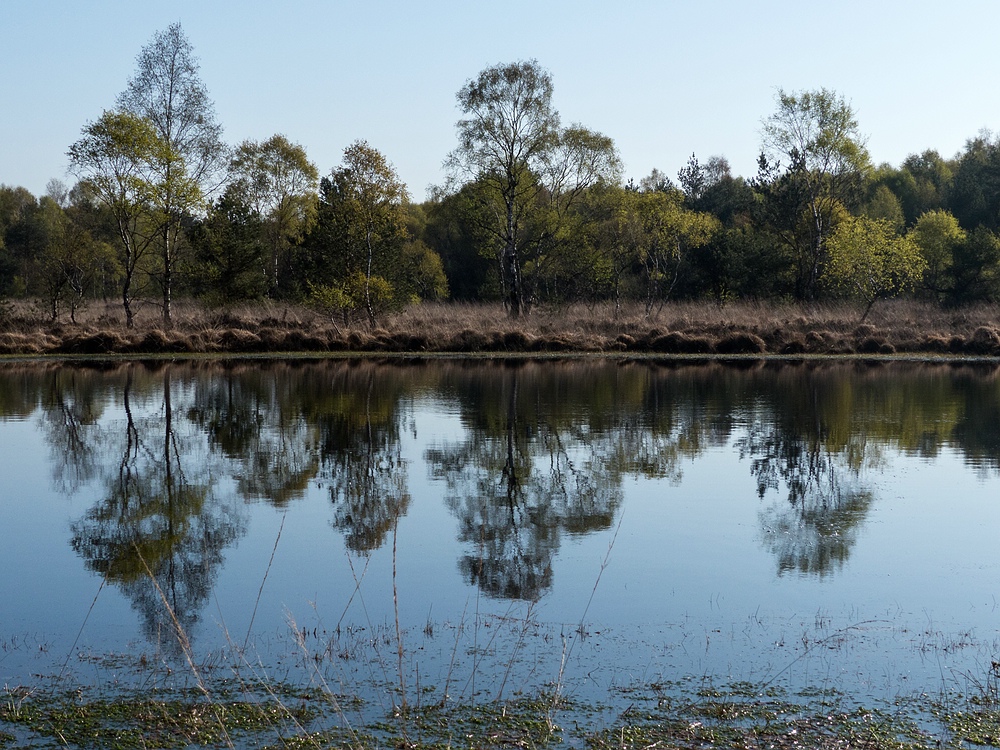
(868, 309)
(512, 273)
(817, 251)
(168, 247)
(167, 281)
(127, 304)
(509, 266)
(369, 308)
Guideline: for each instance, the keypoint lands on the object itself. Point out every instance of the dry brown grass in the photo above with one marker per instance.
(680, 328)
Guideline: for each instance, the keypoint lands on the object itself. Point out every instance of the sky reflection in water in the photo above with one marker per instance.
(831, 523)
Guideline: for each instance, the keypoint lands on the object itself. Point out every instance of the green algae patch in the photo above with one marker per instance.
(169, 721)
(522, 723)
(763, 726)
(979, 727)
(274, 718)
(743, 715)
(676, 715)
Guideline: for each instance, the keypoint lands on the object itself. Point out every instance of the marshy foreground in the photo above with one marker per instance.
(268, 715)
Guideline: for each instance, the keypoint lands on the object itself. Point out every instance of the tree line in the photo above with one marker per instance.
(532, 212)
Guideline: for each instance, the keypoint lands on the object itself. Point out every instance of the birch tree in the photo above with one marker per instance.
(167, 91)
(278, 182)
(361, 232)
(813, 137)
(117, 158)
(871, 261)
(511, 144)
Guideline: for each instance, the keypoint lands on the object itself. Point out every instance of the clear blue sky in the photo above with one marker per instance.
(663, 79)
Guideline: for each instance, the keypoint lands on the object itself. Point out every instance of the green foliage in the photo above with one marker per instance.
(604, 240)
(529, 173)
(66, 267)
(459, 229)
(938, 234)
(120, 157)
(361, 227)
(277, 182)
(533, 211)
(356, 294)
(229, 252)
(975, 193)
(869, 260)
(510, 128)
(662, 234)
(815, 134)
(167, 92)
(884, 204)
(330, 299)
(422, 275)
(19, 238)
(923, 183)
(817, 131)
(976, 268)
(743, 259)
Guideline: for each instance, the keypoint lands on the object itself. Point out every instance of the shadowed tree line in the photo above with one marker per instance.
(532, 211)
(544, 451)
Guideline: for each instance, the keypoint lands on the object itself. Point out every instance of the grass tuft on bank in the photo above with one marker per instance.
(742, 329)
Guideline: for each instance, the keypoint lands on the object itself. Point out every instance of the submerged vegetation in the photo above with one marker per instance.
(688, 714)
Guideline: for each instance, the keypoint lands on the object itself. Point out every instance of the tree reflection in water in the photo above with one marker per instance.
(544, 450)
(527, 471)
(71, 408)
(335, 425)
(360, 453)
(160, 530)
(801, 443)
(814, 530)
(249, 417)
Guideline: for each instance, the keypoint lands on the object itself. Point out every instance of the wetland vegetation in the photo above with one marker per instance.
(699, 715)
(704, 329)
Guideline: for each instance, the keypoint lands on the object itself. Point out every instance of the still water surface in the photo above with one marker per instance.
(600, 524)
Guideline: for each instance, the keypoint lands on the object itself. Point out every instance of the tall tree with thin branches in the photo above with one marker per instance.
(530, 171)
(117, 159)
(167, 91)
(815, 159)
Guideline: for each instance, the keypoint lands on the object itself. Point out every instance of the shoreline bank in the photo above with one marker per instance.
(898, 329)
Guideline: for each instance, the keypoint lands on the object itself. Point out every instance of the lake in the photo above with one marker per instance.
(479, 528)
